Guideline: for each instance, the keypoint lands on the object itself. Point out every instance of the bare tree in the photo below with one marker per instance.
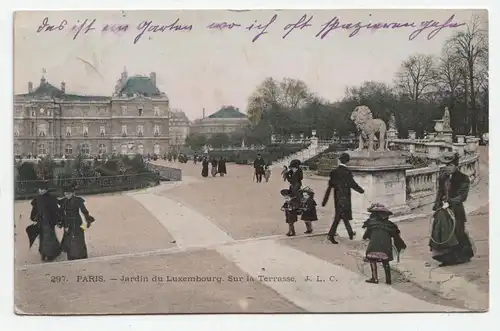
(417, 76)
(295, 93)
(470, 47)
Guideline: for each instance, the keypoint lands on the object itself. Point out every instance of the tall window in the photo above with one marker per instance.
(156, 149)
(85, 130)
(124, 149)
(102, 149)
(33, 113)
(42, 150)
(16, 130)
(140, 130)
(156, 111)
(42, 129)
(140, 149)
(124, 110)
(102, 130)
(156, 130)
(68, 131)
(17, 149)
(68, 149)
(124, 130)
(140, 108)
(85, 149)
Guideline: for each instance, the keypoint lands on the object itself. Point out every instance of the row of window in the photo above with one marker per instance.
(43, 130)
(101, 149)
(140, 111)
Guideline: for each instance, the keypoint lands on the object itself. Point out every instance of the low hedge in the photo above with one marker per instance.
(270, 154)
(89, 185)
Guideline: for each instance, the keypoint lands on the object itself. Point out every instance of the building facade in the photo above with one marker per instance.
(227, 120)
(135, 119)
(179, 129)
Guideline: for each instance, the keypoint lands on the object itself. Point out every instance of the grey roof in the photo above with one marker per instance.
(140, 85)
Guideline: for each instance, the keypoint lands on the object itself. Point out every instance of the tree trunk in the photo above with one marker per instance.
(473, 112)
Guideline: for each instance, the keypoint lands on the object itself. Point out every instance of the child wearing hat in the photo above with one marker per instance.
(381, 232)
(309, 213)
(291, 209)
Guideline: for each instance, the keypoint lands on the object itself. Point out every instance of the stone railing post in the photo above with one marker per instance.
(459, 148)
(460, 138)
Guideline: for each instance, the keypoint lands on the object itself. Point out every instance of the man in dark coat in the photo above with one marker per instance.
(341, 181)
(259, 165)
(46, 215)
(221, 166)
(449, 241)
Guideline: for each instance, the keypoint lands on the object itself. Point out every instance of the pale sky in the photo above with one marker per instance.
(204, 68)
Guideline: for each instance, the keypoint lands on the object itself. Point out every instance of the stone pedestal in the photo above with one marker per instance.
(392, 134)
(448, 136)
(459, 148)
(433, 150)
(382, 176)
(460, 138)
(314, 142)
(472, 144)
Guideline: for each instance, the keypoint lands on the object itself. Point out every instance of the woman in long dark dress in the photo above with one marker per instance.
(221, 167)
(204, 167)
(295, 177)
(213, 162)
(381, 232)
(46, 214)
(449, 242)
(73, 242)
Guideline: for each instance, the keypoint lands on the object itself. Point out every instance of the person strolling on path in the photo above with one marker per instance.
(291, 209)
(267, 172)
(295, 177)
(73, 242)
(258, 166)
(213, 163)
(221, 166)
(309, 213)
(46, 214)
(381, 232)
(204, 167)
(342, 182)
(449, 241)
(284, 171)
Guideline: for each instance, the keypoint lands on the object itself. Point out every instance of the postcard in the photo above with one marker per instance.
(251, 161)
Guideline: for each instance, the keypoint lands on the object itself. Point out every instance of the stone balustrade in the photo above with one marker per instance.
(421, 183)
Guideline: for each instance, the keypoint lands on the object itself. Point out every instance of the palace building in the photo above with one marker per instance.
(226, 120)
(50, 121)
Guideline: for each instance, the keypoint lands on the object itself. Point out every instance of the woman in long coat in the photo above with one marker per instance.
(221, 167)
(46, 215)
(73, 242)
(204, 167)
(381, 232)
(449, 242)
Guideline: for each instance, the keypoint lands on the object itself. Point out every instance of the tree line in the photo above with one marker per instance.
(422, 87)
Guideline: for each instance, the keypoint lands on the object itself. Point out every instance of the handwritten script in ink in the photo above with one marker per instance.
(256, 28)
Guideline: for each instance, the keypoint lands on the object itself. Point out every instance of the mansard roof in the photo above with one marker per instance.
(228, 112)
(140, 85)
(47, 90)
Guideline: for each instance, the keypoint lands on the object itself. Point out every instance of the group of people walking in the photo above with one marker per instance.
(449, 242)
(217, 166)
(47, 212)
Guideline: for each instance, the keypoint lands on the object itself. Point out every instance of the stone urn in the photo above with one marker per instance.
(412, 135)
(439, 126)
(460, 139)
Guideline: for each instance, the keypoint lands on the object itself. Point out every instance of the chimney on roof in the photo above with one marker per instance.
(30, 87)
(203, 112)
(152, 76)
(63, 87)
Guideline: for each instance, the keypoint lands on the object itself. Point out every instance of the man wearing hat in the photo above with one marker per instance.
(449, 242)
(341, 181)
(259, 165)
(46, 215)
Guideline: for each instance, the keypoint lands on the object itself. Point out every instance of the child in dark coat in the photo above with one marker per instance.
(291, 208)
(381, 232)
(309, 213)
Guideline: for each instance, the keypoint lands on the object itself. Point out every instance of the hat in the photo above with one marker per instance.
(449, 157)
(344, 158)
(70, 188)
(43, 185)
(379, 208)
(285, 192)
(295, 163)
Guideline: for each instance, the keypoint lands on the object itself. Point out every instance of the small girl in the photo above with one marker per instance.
(309, 213)
(267, 173)
(291, 208)
(381, 231)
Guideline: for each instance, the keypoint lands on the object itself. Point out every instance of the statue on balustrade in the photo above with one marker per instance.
(446, 120)
(367, 127)
(392, 123)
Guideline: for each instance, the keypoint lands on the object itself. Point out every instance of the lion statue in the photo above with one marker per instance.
(367, 127)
